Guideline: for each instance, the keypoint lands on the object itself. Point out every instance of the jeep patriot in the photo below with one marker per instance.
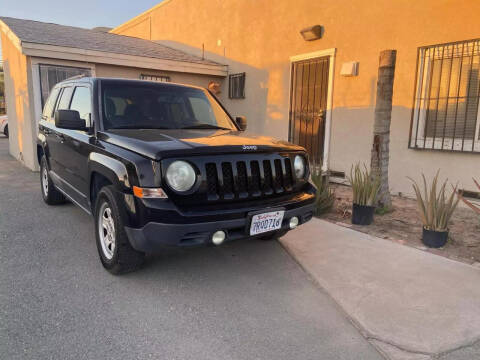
(162, 164)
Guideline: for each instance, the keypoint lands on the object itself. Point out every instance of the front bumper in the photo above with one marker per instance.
(155, 235)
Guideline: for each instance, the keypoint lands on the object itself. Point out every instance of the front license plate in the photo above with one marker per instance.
(266, 222)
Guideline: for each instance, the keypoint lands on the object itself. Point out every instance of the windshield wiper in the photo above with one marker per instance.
(205, 126)
(136, 127)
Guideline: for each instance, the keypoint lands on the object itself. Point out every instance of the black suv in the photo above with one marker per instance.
(164, 164)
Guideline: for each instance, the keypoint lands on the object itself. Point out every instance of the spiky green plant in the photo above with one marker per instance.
(474, 207)
(365, 186)
(325, 194)
(435, 207)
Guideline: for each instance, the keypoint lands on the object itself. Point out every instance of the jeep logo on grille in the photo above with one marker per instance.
(249, 147)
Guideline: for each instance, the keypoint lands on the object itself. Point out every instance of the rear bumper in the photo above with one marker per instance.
(155, 235)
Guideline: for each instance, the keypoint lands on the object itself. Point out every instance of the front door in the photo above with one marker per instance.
(308, 106)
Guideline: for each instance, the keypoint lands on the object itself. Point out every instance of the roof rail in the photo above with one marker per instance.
(75, 77)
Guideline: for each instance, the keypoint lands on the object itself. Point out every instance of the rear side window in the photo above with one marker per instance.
(64, 102)
(81, 102)
(50, 104)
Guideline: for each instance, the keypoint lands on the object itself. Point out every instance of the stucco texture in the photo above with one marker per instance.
(259, 37)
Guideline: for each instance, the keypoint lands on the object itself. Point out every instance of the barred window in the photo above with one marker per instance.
(445, 113)
(50, 75)
(236, 86)
(157, 78)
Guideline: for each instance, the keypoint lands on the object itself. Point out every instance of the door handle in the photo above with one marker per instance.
(321, 114)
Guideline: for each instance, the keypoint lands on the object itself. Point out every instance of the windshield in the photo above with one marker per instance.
(159, 106)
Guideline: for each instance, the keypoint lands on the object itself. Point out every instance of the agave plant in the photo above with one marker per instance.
(325, 194)
(365, 185)
(435, 207)
(474, 207)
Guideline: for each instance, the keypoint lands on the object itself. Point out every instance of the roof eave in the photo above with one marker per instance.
(101, 57)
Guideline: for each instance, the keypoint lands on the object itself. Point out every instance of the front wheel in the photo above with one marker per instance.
(5, 131)
(116, 253)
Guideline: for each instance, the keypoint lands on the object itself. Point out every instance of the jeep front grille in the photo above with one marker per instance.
(248, 178)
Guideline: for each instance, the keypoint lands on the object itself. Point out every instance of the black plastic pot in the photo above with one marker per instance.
(434, 239)
(362, 214)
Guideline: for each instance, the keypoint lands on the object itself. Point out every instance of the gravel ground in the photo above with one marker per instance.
(244, 300)
(404, 225)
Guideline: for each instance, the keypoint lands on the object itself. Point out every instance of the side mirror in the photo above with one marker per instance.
(241, 122)
(69, 119)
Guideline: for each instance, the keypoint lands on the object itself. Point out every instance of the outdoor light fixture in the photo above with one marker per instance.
(349, 68)
(312, 33)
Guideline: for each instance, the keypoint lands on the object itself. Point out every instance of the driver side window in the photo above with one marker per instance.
(81, 102)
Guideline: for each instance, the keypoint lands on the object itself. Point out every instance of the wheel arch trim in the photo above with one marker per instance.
(113, 169)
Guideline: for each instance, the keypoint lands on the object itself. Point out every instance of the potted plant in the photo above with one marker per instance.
(365, 187)
(436, 209)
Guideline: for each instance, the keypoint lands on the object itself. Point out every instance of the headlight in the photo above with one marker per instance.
(180, 176)
(299, 166)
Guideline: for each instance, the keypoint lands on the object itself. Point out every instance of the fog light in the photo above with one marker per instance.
(218, 237)
(293, 222)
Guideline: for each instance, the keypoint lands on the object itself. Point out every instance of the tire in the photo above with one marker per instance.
(272, 236)
(5, 131)
(50, 194)
(114, 249)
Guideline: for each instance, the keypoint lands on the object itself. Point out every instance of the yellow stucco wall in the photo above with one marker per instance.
(260, 36)
(19, 111)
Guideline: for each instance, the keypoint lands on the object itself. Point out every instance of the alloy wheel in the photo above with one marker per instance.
(106, 230)
(45, 181)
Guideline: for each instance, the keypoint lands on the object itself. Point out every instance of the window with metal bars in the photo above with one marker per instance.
(157, 78)
(445, 112)
(236, 86)
(50, 75)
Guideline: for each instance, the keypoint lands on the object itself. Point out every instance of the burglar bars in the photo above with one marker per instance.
(445, 106)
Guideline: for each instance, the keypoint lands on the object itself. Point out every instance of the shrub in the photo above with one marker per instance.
(365, 186)
(471, 205)
(325, 194)
(435, 207)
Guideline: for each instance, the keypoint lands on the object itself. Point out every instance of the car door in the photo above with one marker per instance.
(46, 126)
(76, 146)
(56, 139)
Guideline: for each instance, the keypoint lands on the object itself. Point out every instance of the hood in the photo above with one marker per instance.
(158, 143)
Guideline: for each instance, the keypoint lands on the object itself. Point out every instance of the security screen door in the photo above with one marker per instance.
(308, 105)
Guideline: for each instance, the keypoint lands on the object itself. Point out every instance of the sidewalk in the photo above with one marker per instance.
(408, 303)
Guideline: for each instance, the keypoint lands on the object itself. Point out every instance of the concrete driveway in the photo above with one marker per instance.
(244, 300)
(410, 304)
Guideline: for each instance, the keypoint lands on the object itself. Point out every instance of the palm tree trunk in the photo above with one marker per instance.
(381, 128)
